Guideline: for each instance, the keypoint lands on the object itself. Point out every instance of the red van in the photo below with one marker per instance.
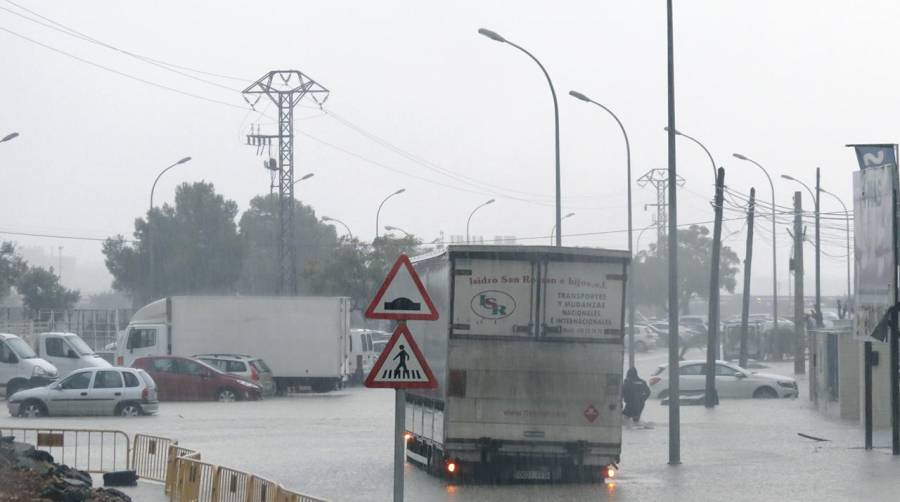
(184, 379)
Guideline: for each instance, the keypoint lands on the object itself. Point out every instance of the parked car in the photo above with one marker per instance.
(184, 379)
(249, 368)
(20, 367)
(732, 381)
(67, 351)
(695, 322)
(645, 338)
(125, 392)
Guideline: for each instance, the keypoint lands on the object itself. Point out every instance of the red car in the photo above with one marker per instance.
(184, 379)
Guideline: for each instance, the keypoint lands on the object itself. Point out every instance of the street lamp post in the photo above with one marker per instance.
(9, 136)
(378, 213)
(630, 288)
(349, 233)
(774, 240)
(468, 221)
(305, 177)
(553, 231)
(847, 228)
(496, 37)
(150, 244)
(390, 228)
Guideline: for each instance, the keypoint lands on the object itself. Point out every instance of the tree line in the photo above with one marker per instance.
(200, 246)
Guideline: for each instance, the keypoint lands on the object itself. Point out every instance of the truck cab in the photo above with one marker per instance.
(66, 351)
(141, 340)
(20, 367)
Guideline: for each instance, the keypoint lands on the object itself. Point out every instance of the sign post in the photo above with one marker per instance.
(401, 364)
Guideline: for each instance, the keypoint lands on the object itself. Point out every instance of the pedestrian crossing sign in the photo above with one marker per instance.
(401, 364)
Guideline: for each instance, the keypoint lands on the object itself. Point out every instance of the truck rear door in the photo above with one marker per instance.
(535, 351)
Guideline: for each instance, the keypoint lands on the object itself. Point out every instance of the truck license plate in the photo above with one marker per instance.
(532, 475)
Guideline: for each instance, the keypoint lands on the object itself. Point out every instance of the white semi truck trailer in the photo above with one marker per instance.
(303, 339)
(528, 354)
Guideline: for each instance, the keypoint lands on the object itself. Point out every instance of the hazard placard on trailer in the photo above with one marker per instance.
(401, 364)
(402, 296)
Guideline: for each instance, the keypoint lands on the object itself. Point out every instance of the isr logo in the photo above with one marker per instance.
(493, 304)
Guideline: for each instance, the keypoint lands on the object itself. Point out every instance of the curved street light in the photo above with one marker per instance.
(496, 37)
(9, 136)
(774, 240)
(553, 231)
(468, 221)
(701, 145)
(390, 229)
(378, 213)
(150, 244)
(629, 288)
(305, 177)
(335, 220)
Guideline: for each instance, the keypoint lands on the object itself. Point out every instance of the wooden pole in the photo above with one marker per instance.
(748, 261)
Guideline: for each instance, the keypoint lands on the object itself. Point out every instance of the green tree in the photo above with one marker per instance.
(313, 241)
(342, 272)
(694, 264)
(41, 290)
(196, 247)
(354, 269)
(12, 266)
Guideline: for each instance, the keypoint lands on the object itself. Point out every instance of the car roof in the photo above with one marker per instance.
(697, 361)
(224, 356)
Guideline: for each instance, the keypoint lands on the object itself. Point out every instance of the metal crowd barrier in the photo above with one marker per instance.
(198, 481)
(150, 456)
(186, 477)
(90, 450)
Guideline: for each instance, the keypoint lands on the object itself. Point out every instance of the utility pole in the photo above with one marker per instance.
(818, 254)
(285, 88)
(672, 182)
(748, 262)
(799, 322)
(712, 338)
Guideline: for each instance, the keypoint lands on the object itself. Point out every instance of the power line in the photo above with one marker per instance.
(58, 236)
(120, 73)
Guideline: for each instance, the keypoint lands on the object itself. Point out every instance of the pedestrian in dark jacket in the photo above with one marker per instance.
(635, 393)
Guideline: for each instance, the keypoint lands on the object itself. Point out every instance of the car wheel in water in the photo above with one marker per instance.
(130, 410)
(765, 393)
(32, 409)
(226, 395)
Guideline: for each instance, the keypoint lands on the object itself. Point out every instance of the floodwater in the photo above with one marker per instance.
(338, 446)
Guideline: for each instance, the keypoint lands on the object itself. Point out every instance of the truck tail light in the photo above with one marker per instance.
(451, 467)
(654, 380)
(609, 472)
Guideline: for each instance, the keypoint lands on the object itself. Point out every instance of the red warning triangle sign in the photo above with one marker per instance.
(402, 296)
(401, 364)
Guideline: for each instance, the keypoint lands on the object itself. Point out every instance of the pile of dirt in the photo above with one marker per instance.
(27, 474)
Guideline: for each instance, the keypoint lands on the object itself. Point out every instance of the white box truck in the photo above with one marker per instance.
(303, 339)
(528, 354)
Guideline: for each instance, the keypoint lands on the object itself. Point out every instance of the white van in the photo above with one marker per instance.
(67, 351)
(20, 367)
(361, 354)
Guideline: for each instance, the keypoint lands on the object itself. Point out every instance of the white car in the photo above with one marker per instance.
(732, 381)
(125, 392)
(20, 367)
(645, 338)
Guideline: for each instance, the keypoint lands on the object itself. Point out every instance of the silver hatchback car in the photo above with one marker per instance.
(126, 392)
(252, 369)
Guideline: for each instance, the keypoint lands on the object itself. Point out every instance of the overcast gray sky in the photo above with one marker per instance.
(785, 83)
